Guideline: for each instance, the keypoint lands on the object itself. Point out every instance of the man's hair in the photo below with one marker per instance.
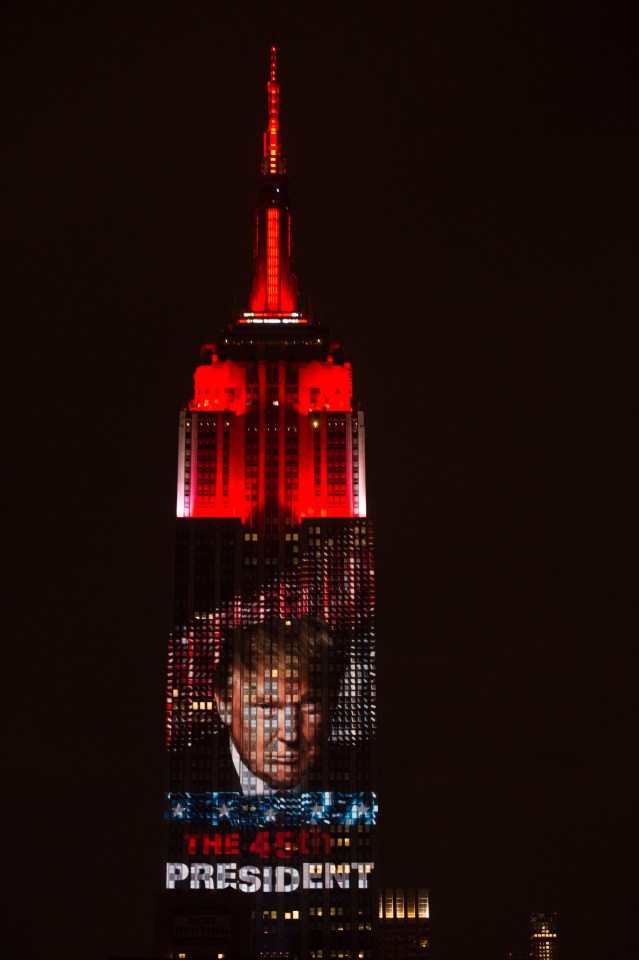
(307, 640)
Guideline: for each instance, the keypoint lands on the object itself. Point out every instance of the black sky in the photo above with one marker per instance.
(462, 184)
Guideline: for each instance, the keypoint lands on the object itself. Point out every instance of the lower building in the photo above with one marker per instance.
(404, 924)
(543, 936)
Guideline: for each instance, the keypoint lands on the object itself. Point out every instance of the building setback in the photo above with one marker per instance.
(270, 808)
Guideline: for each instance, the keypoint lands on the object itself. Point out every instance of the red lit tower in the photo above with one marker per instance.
(270, 699)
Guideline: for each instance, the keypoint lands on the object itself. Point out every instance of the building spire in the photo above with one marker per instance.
(273, 162)
(274, 286)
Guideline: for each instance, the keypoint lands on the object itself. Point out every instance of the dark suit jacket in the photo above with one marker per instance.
(337, 758)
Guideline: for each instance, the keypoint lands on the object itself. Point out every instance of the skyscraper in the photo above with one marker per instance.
(543, 936)
(271, 809)
(404, 924)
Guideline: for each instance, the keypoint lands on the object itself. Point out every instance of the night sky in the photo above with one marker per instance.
(461, 180)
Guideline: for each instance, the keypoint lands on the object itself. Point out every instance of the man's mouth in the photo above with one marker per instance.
(286, 761)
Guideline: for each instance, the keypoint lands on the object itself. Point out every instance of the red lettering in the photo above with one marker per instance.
(319, 837)
(232, 843)
(261, 845)
(302, 841)
(284, 844)
(213, 843)
(192, 839)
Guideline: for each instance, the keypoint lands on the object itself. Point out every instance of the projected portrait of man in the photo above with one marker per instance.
(274, 693)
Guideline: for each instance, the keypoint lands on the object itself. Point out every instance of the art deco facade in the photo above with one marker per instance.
(271, 676)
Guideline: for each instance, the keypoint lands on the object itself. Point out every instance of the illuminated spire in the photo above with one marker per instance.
(273, 161)
(274, 286)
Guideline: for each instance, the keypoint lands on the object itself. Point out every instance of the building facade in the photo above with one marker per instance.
(543, 936)
(404, 924)
(270, 809)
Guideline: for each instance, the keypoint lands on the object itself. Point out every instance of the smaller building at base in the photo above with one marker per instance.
(404, 924)
(543, 936)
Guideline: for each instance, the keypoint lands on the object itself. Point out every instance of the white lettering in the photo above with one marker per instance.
(312, 876)
(363, 871)
(249, 879)
(281, 879)
(175, 871)
(226, 875)
(201, 875)
(282, 885)
(337, 875)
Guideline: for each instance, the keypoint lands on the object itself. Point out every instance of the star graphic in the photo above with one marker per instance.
(271, 814)
(223, 810)
(317, 810)
(362, 810)
(178, 810)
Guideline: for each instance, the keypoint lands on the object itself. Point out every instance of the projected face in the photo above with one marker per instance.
(271, 702)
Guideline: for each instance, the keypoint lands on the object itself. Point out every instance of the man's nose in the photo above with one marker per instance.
(289, 726)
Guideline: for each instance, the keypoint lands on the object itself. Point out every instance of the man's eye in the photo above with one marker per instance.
(265, 706)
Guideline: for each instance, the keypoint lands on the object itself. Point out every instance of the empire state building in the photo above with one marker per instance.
(270, 807)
